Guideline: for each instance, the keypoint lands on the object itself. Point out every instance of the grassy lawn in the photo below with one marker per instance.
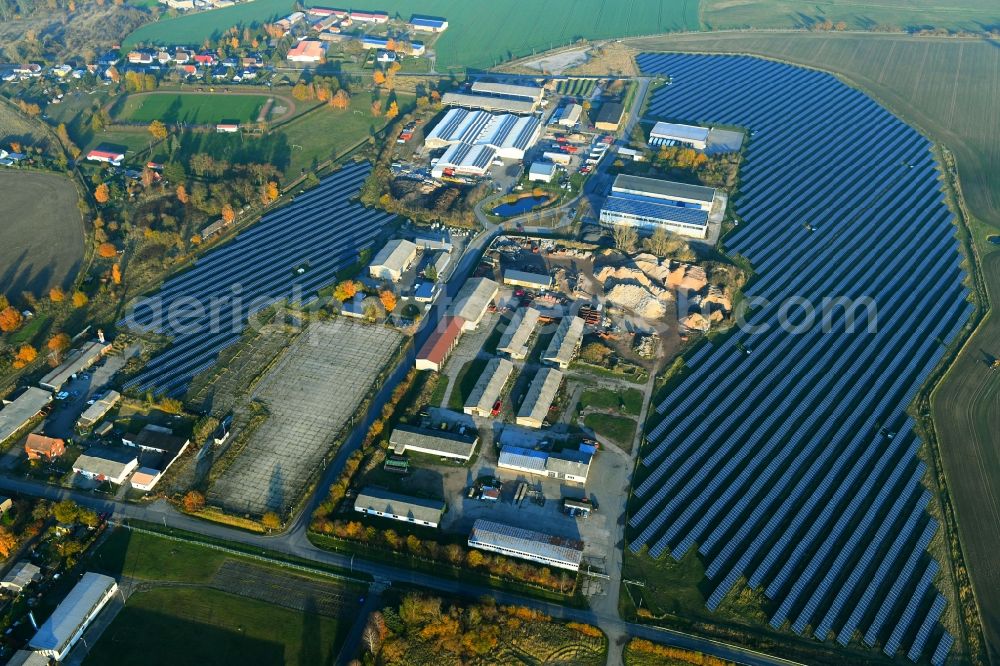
(203, 626)
(616, 428)
(134, 140)
(628, 401)
(326, 133)
(465, 381)
(148, 557)
(190, 108)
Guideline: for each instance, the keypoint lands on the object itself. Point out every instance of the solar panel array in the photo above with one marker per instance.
(205, 309)
(656, 208)
(786, 454)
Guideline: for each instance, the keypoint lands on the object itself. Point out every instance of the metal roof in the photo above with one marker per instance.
(21, 574)
(533, 93)
(564, 343)
(473, 298)
(97, 410)
(501, 131)
(439, 441)
(524, 276)
(568, 461)
(489, 385)
(77, 361)
(14, 416)
(514, 340)
(105, 462)
(439, 343)
(663, 189)
(561, 549)
(515, 456)
(376, 499)
(488, 103)
(540, 394)
(396, 254)
(58, 631)
(639, 206)
(679, 132)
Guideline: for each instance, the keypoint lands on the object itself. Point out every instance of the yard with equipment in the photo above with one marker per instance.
(41, 238)
(190, 108)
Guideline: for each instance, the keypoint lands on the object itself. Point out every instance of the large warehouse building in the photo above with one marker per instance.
(472, 301)
(671, 134)
(71, 618)
(432, 442)
(393, 260)
(489, 387)
(22, 410)
(650, 203)
(475, 138)
(541, 394)
(565, 343)
(514, 341)
(439, 345)
(527, 544)
(385, 504)
(566, 465)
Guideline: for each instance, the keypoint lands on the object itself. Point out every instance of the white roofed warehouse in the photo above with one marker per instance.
(542, 172)
(489, 387)
(406, 509)
(565, 343)
(525, 279)
(475, 138)
(392, 260)
(433, 442)
(71, 618)
(650, 203)
(527, 544)
(514, 341)
(541, 394)
(20, 411)
(565, 465)
(670, 134)
(472, 301)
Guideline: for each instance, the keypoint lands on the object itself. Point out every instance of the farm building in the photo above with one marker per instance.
(71, 618)
(307, 51)
(103, 464)
(472, 300)
(669, 134)
(392, 260)
(417, 48)
(489, 387)
(541, 394)
(475, 138)
(76, 361)
(382, 503)
(650, 203)
(489, 103)
(565, 343)
(323, 12)
(565, 465)
(609, 117)
(514, 341)
(20, 576)
(542, 171)
(428, 24)
(528, 280)
(96, 411)
(526, 544)
(569, 115)
(20, 411)
(107, 154)
(39, 447)
(369, 17)
(227, 128)
(433, 442)
(370, 42)
(439, 345)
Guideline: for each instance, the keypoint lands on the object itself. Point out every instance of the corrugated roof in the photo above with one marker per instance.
(567, 337)
(569, 551)
(77, 361)
(667, 189)
(66, 619)
(524, 276)
(514, 340)
(490, 384)
(473, 298)
(681, 132)
(575, 463)
(540, 394)
(533, 93)
(446, 443)
(488, 103)
(439, 343)
(515, 456)
(377, 499)
(14, 416)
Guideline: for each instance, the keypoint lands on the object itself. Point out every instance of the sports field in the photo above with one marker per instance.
(190, 108)
(972, 15)
(193, 29)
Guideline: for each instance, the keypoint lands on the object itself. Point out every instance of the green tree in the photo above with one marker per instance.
(66, 511)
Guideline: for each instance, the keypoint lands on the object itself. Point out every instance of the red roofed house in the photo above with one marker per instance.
(308, 50)
(205, 59)
(105, 154)
(439, 345)
(370, 17)
(188, 69)
(326, 11)
(40, 446)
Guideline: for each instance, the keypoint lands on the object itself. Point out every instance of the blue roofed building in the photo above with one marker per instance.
(649, 204)
(428, 23)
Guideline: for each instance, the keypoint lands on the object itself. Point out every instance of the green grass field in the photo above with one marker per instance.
(904, 14)
(616, 428)
(628, 401)
(144, 556)
(465, 381)
(178, 626)
(191, 108)
(193, 29)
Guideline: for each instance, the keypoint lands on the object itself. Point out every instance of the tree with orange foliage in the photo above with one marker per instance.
(10, 319)
(116, 274)
(158, 130)
(80, 299)
(25, 355)
(392, 111)
(8, 542)
(182, 194)
(270, 192)
(193, 502)
(345, 290)
(341, 100)
(59, 343)
(102, 194)
(388, 300)
(107, 250)
(378, 77)
(228, 214)
(377, 108)
(56, 295)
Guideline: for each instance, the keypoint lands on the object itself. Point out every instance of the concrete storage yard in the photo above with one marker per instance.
(310, 395)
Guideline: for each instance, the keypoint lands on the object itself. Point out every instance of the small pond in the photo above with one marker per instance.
(522, 205)
(994, 239)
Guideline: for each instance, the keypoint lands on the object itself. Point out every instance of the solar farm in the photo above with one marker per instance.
(289, 254)
(785, 454)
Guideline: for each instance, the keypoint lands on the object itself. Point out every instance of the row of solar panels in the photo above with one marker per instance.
(785, 455)
(651, 208)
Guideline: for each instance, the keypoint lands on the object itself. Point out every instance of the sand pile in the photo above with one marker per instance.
(637, 299)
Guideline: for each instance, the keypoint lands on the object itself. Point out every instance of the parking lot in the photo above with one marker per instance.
(309, 395)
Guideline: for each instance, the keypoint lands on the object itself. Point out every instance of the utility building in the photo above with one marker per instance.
(382, 503)
(541, 394)
(565, 465)
(488, 389)
(565, 343)
(472, 301)
(393, 260)
(71, 618)
(76, 361)
(439, 345)
(650, 203)
(98, 410)
(433, 442)
(514, 341)
(528, 280)
(527, 544)
(671, 134)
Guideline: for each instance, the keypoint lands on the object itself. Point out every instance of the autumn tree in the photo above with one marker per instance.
(79, 299)
(182, 194)
(228, 214)
(8, 542)
(107, 250)
(388, 300)
(268, 193)
(59, 343)
(25, 355)
(193, 501)
(340, 100)
(392, 111)
(271, 520)
(377, 108)
(345, 290)
(378, 77)
(56, 295)
(663, 243)
(116, 274)
(624, 236)
(101, 194)
(66, 511)
(158, 130)
(10, 319)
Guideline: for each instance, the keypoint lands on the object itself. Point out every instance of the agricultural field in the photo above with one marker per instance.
(41, 246)
(576, 87)
(16, 128)
(795, 473)
(189, 108)
(973, 15)
(193, 29)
